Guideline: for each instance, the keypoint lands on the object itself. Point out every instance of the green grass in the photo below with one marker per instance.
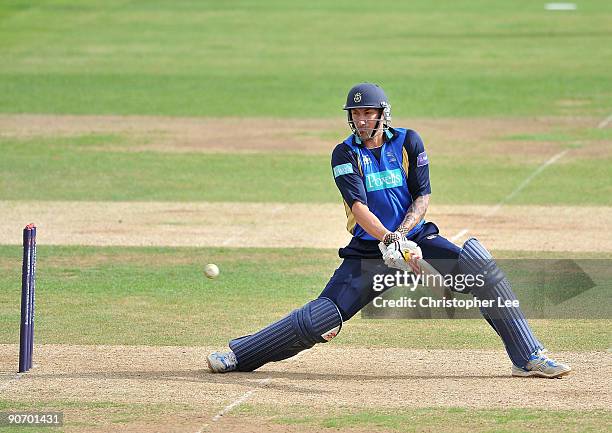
(579, 134)
(451, 419)
(95, 167)
(127, 295)
(75, 172)
(276, 58)
(159, 296)
(281, 59)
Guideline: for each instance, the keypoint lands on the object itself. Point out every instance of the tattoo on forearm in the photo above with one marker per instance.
(415, 213)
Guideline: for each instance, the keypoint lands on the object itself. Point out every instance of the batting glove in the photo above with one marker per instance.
(401, 254)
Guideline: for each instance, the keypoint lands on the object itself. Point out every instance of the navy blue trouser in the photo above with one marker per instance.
(351, 286)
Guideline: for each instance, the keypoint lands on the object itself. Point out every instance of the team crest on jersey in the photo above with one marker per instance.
(366, 160)
(391, 157)
(357, 97)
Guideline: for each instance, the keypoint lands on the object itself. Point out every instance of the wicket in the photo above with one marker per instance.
(28, 284)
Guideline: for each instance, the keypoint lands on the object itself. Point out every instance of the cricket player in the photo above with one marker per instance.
(382, 174)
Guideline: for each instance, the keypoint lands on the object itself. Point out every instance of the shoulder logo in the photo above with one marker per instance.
(357, 97)
(422, 159)
(341, 169)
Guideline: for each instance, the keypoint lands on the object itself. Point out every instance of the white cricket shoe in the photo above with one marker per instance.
(540, 365)
(222, 362)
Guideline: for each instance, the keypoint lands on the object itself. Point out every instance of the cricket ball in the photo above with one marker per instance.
(211, 270)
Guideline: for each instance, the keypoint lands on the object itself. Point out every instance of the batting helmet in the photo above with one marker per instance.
(368, 95)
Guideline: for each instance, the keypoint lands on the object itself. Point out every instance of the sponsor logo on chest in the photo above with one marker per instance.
(383, 179)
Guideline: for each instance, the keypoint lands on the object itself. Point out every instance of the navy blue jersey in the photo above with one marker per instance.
(386, 179)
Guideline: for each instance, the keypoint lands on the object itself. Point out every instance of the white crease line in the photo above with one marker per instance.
(232, 405)
(244, 397)
(518, 189)
(524, 183)
(605, 122)
(459, 235)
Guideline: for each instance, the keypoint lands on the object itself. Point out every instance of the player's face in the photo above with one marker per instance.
(365, 121)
